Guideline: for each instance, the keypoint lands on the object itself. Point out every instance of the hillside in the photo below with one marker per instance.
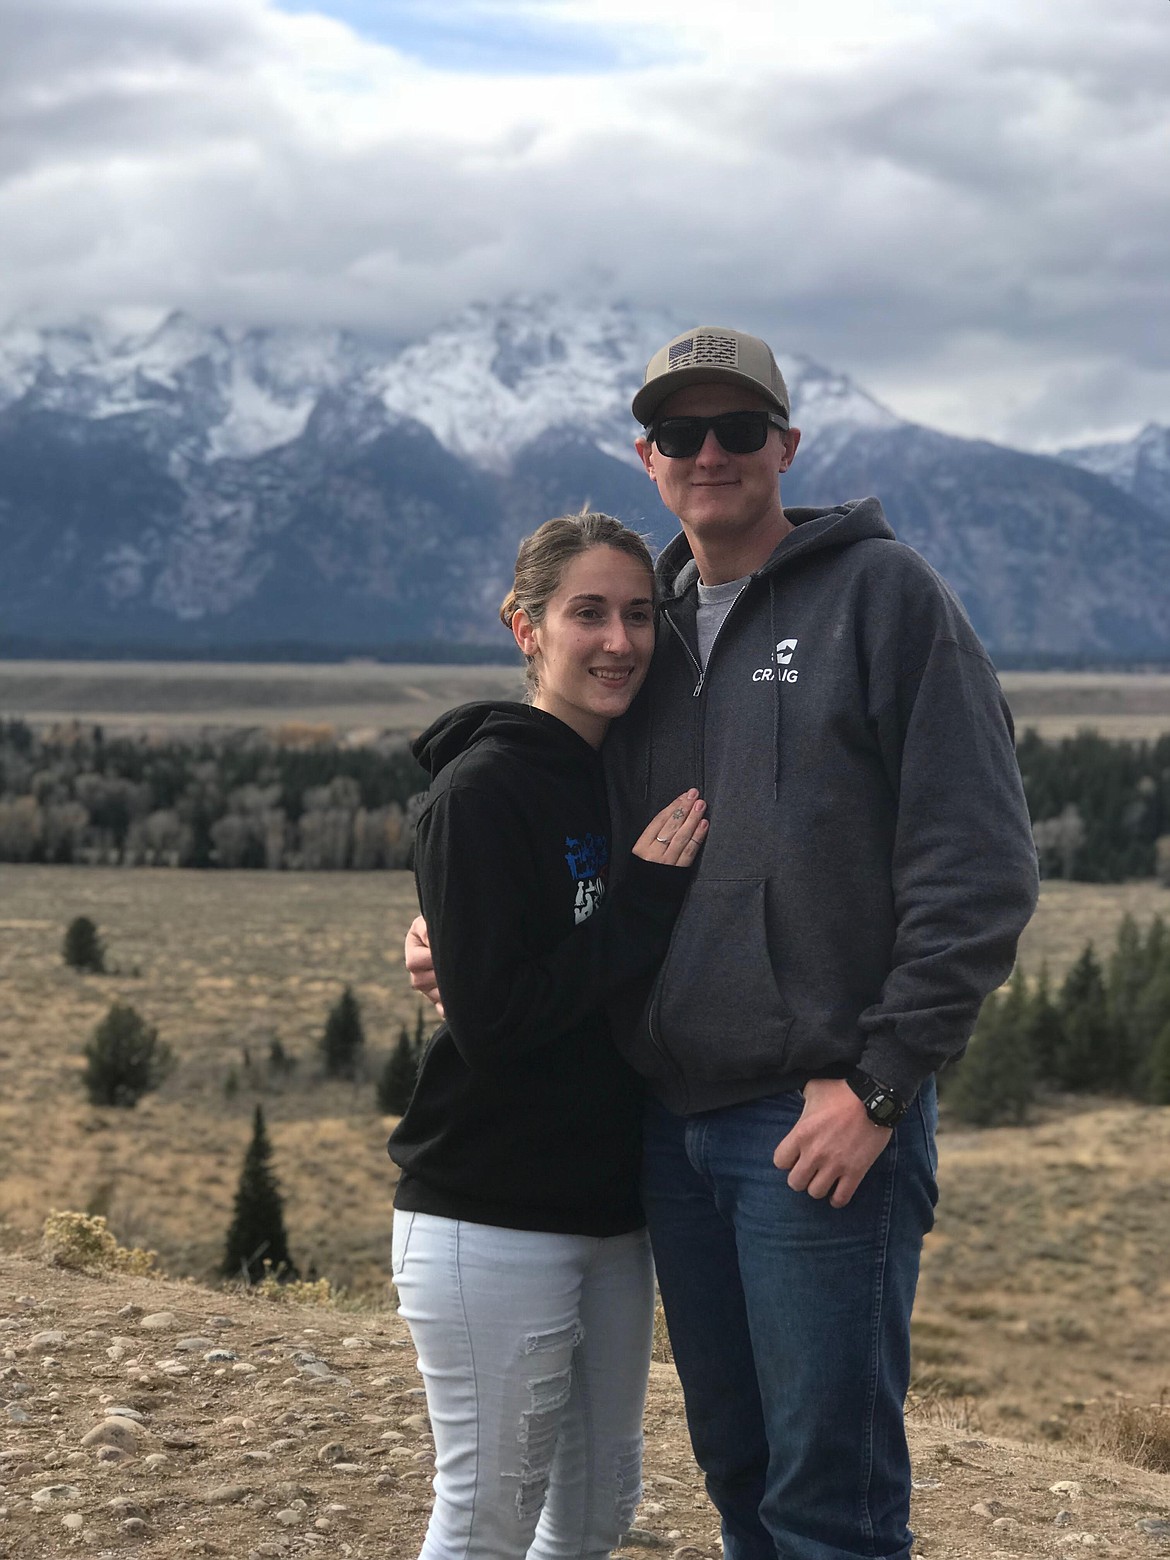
(166, 1420)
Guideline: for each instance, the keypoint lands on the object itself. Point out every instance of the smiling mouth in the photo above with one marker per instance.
(611, 674)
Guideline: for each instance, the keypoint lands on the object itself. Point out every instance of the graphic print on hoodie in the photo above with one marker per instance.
(524, 1114)
(588, 860)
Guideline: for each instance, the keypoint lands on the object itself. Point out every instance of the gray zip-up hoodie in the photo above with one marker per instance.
(870, 864)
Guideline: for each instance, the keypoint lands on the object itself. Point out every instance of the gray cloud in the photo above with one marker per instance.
(975, 224)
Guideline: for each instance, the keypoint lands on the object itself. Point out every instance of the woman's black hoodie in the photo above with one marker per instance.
(524, 1114)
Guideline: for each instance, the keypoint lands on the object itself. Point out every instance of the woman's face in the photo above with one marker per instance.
(593, 647)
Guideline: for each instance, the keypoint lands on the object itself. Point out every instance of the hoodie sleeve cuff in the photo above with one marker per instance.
(899, 1069)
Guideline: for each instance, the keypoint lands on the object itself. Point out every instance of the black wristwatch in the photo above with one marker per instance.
(883, 1107)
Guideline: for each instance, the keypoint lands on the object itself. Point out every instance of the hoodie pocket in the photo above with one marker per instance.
(717, 1009)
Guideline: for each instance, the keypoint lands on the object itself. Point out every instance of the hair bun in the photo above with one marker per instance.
(508, 608)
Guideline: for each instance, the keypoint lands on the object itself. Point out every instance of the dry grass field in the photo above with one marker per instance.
(1073, 914)
(1046, 1284)
(360, 697)
(221, 963)
(354, 698)
(1118, 705)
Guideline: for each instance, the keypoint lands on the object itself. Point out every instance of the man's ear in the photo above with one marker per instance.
(646, 455)
(524, 632)
(789, 439)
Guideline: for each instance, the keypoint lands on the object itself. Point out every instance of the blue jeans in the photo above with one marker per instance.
(790, 1325)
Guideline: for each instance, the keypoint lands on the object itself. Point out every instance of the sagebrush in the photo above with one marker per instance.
(85, 1243)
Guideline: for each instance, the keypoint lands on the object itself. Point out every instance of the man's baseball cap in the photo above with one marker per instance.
(710, 354)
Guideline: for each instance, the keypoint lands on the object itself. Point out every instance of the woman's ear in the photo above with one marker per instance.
(524, 632)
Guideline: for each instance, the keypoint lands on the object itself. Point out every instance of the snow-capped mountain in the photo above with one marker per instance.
(1139, 466)
(211, 393)
(188, 486)
(487, 383)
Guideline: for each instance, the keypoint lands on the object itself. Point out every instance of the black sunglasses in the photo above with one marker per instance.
(740, 433)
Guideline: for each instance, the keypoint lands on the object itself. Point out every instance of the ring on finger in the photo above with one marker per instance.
(663, 839)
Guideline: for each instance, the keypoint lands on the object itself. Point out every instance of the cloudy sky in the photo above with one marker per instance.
(967, 207)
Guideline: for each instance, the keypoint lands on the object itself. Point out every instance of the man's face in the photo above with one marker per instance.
(714, 493)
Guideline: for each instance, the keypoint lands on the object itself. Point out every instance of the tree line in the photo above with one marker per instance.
(1106, 1030)
(239, 800)
(1100, 809)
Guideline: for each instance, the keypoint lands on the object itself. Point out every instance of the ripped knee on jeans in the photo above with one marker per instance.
(540, 1422)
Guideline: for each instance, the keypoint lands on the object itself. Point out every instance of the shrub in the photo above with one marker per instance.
(257, 1244)
(297, 1291)
(400, 1071)
(124, 1059)
(83, 1241)
(82, 948)
(344, 1040)
(1137, 1433)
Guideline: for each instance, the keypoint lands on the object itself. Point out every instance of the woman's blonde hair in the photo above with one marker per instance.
(543, 557)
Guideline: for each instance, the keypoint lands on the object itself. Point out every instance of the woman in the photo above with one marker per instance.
(520, 1259)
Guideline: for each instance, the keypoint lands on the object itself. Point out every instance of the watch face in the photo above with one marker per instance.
(882, 1105)
(883, 1108)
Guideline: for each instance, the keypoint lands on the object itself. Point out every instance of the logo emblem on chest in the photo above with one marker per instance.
(588, 861)
(782, 670)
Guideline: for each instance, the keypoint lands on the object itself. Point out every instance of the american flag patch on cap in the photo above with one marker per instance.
(681, 349)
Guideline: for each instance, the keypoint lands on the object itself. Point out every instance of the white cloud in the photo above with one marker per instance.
(967, 210)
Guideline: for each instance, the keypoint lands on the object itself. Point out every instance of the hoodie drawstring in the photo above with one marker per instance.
(775, 693)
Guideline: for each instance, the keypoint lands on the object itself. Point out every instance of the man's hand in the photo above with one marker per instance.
(420, 966)
(833, 1145)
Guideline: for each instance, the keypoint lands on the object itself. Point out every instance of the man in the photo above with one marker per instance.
(868, 871)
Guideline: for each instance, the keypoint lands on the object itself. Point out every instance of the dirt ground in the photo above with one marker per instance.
(265, 1429)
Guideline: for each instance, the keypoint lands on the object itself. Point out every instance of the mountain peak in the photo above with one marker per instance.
(1139, 466)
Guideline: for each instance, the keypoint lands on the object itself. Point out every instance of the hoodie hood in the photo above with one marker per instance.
(514, 724)
(815, 530)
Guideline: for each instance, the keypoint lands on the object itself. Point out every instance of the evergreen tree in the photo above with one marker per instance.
(1157, 949)
(280, 1061)
(343, 1043)
(1045, 1032)
(1159, 1087)
(82, 948)
(995, 1081)
(1086, 1058)
(1128, 977)
(400, 1072)
(257, 1235)
(124, 1059)
(1151, 1018)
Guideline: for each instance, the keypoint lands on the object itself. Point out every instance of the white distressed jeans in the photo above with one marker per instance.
(535, 1350)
